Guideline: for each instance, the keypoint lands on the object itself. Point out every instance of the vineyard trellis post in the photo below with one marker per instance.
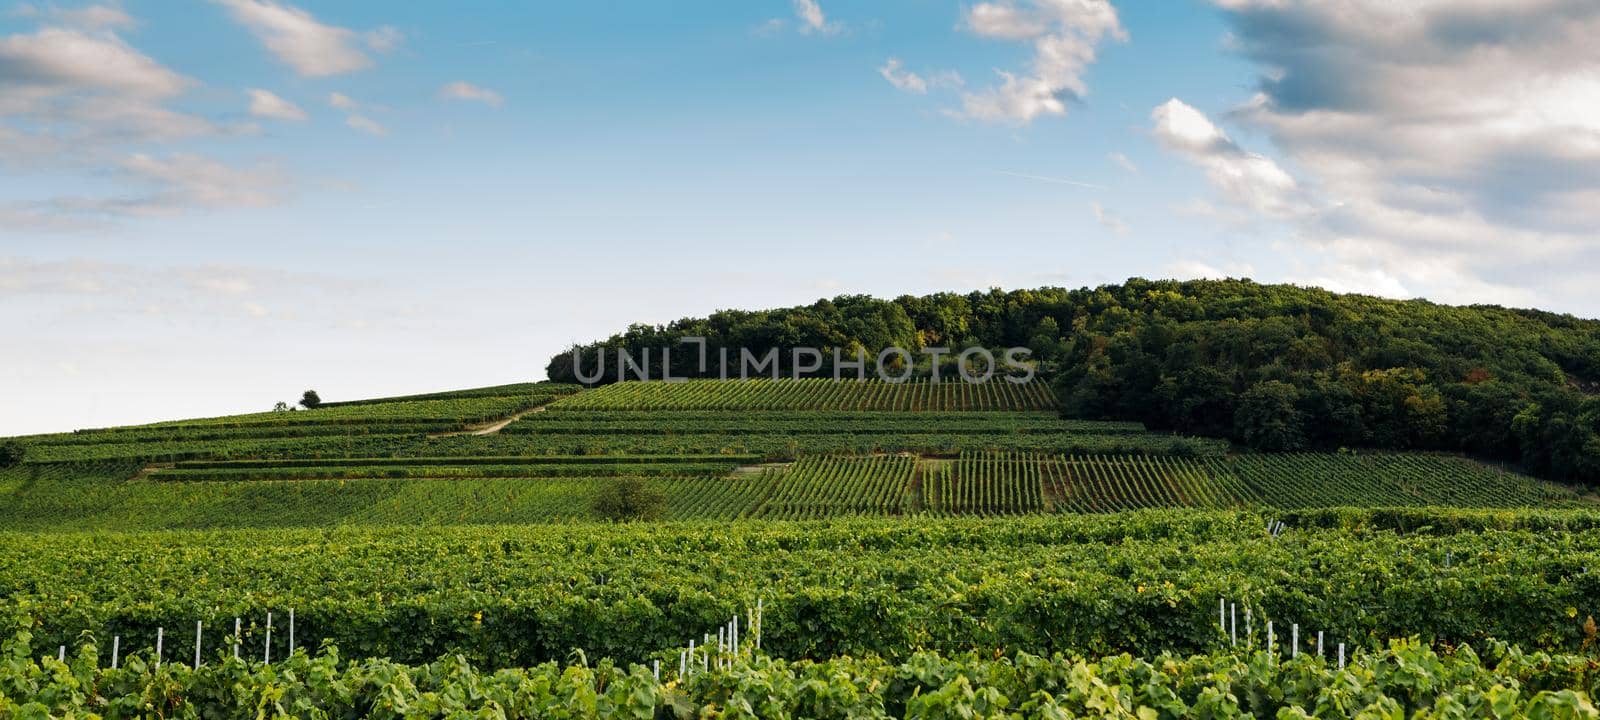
(198, 626)
(116, 649)
(1294, 640)
(266, 653)
(160, 636)
(236, 638)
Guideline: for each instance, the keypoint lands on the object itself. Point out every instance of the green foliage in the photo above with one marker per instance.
(815, 394)
(1403, 679)
(1180, 355)
(1267, 418)
(310, 400)
(1099, 584)
(12, 453)
(630, 498)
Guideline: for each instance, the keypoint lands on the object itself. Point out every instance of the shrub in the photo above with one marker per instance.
(630, 498)
(12, 454)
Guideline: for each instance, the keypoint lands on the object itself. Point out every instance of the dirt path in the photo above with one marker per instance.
(489, 428)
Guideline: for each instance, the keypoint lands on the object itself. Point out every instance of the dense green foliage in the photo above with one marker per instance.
(558, 421)
(1404, 679)
(823, 487)
(630, 498)
(1276, 366)
(540, 489)
(1136, 582)
(815, 394)
(12, 453)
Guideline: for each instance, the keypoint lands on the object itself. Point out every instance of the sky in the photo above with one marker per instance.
(208, 206)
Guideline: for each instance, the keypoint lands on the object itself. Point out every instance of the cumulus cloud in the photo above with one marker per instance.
(366, 125)
(1453, 146)
(70, 93)
(1246, 178)
(812, 19)
(264, 104)
(894, 72)
(312, 48)
(466, 91)
(1065, 35)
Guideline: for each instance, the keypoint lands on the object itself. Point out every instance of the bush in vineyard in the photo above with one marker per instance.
(630, 498)
(12, 453)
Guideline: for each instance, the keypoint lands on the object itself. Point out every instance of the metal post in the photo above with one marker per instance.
(197, 628)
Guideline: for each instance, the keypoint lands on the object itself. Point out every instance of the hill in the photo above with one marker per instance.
(758, 449)
(1274, 367)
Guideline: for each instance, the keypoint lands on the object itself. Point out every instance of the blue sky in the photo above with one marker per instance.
(208, 206)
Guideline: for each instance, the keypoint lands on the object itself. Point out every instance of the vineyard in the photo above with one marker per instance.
(487, 489)
(834, 487)
(816, 394)
(1404, 679)
(1098, 584)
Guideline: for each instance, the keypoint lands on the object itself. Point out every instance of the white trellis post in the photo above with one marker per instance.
(1294, 640)
(1341, 656)
(237, 637)
(1233, 623)
(1271, 640)
(197, 629)
(266, 654)
(1320, 653)
(116, 650)
(160, 635)
(291, 632)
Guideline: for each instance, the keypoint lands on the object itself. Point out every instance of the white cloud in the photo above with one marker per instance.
(1245, 178)
(1451, 149)
(342, 101)
(1065, 36)
(55, 60)
(267, 105)
(466, 91)
(811, 18)
(94, 17)
(1123, 162)
(894, 72)
(73, 93)
(312, 48)
(366, 125)
(1108, 220)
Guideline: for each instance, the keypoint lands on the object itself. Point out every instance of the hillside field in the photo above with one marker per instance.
(889, 529)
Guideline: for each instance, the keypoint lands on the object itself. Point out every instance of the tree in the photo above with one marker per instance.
(281, 407)
(310, 400)
(630, 498)
(1267, 418)
(12, 454)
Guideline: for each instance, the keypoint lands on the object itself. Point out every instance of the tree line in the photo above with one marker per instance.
(1273, 367)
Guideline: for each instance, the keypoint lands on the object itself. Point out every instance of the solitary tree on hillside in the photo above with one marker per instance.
(310, 400)
(281, 407)
(630, 498)
(11, 454)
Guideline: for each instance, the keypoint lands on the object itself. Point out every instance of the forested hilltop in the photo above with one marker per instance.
(1275, 367)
